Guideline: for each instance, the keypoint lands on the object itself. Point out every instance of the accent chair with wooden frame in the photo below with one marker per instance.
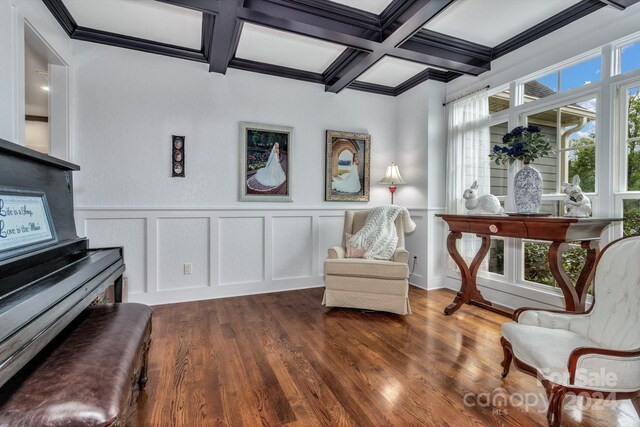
(596, 353)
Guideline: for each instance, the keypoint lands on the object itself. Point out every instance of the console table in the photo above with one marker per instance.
(557, 230)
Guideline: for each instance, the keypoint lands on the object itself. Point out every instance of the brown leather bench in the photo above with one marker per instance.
(87, 376)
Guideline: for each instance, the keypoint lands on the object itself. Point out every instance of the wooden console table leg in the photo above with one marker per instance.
(586, 275)
(571, 299)
(468, 289)
(117, 289)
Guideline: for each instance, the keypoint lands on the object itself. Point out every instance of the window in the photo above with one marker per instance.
(630, 146)
(496, 256)
(536, 262)
(499, 101)
(632, 136)
(564, 103)
(629, 57)
(571, 77)
(499, 173)
(572, 130)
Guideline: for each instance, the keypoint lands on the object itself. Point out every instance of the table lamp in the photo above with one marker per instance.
(392, 177)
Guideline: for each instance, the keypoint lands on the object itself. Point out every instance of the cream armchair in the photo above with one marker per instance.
(595, 353)
(367, 283)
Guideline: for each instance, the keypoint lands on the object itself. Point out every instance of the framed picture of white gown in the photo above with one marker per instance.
(347, 166)
(265, 162)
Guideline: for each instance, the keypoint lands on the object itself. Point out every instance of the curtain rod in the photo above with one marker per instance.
(471, 92)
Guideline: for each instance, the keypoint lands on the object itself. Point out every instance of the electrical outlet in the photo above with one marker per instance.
(187, 269)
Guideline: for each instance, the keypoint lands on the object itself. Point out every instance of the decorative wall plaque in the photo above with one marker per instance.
(177, 156)
(25, 222)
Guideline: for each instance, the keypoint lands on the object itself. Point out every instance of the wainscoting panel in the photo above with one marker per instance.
(416, 244)
(329, 235)
(183, 241)
(292, 247)
(127, 232)
(232, 251)
(241, 250)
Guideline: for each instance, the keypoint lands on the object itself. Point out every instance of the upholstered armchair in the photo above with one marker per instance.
(595, 353)
(369, 284)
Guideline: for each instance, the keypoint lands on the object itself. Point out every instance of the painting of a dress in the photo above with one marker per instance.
(266, 153)
(347, 171)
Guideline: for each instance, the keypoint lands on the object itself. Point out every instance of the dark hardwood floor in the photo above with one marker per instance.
(283, 359)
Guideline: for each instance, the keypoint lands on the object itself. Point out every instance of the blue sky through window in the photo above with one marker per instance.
(580, 74)
(630, 57)
(550, 81)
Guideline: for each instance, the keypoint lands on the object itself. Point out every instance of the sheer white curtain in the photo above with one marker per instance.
(468, 160)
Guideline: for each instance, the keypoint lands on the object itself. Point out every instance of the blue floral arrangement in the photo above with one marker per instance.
(523, 143)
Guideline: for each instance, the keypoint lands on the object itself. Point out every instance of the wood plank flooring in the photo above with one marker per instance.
(283, 359)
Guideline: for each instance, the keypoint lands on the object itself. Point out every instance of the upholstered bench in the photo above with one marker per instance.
(87, 376)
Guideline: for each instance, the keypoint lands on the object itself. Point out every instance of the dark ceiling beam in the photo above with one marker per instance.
(62, 15)
(333, 71)
(355, 29)
(620, 4)
(411, 21)
(134, 43)
(208, 20)
(450, 48)
(275, 70)
(373, 88)
(559, 20)
(224, 36)
(615, 4)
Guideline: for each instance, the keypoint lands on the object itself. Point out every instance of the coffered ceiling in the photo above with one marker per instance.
(380, 46)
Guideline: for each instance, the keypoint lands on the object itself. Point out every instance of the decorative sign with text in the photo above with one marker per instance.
(25, 222)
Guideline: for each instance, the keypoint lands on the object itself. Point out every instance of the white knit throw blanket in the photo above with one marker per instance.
(378, 236)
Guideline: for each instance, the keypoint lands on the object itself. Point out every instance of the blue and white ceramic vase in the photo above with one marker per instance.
(527, 190)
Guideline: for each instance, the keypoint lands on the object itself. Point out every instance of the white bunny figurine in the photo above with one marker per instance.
(578, 205)
(487, 204)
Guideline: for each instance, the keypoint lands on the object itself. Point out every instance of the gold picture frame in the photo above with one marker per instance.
(347, 166)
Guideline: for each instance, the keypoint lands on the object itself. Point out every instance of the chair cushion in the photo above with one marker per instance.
(545, 349)
(360, 267)
(84, 377)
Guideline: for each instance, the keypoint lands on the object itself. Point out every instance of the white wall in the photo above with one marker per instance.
(127, 106)
(421, 148)
(36, 136)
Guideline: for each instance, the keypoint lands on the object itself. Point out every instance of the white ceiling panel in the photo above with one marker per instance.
(373, 6)
(145, 19)
(391, 71)
(490, 22)
(286, 49)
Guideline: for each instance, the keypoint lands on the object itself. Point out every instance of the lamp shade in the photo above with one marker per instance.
(392, 176)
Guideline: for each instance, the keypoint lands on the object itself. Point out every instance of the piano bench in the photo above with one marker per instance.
(87, 376)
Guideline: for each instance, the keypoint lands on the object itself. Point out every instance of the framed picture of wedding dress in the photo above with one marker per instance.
(347, 166)
(265, 162)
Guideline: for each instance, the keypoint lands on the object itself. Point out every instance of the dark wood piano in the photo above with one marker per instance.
(44, 287)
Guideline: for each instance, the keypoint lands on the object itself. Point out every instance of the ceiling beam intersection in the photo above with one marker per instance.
(411, 21)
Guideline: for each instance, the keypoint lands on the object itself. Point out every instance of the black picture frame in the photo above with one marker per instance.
(38, 197)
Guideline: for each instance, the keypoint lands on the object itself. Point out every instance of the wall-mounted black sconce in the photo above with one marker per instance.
(177, 156)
